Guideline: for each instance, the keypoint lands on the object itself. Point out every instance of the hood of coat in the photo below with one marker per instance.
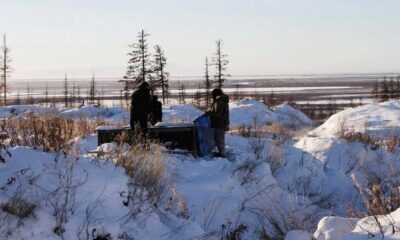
(223, 98)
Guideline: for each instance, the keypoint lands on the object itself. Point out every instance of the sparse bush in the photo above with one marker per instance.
(230, 232)
(62, 199)
(273, 131)
(391, 143)
(380, 200)
(147, 183)
(276, 158)
(246, 170)
(18, 207)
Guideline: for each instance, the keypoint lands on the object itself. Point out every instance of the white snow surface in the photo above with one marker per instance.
(253, 112)
(180, 113)
(305, 181)
(376, 119)
(344, 163)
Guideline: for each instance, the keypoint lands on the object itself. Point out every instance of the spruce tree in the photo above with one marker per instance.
(5, 68)
(392, 88)
(78, 95)
(160, 75)
(92, 91)
(18, 99)
(181, 93)
(207, 85)
(30, 99)
(65, 92)
(73, 95)
(220, 62)
(398, 87)
(46, 94)
(375, 90)
(384, 93)
(197, 98)
(139, 64)
(236, 96)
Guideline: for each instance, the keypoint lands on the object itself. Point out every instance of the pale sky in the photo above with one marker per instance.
(261, 37)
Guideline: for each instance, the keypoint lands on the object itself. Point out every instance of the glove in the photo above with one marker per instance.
(150, 117)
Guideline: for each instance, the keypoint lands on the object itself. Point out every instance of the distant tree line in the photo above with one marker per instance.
(386, 89)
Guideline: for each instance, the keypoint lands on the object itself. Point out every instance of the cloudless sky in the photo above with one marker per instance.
(82, 37)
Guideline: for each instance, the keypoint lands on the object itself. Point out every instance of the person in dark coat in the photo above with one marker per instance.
(156, 110)
(219, 115)
(141, 107)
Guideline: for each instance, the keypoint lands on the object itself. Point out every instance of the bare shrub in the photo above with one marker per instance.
(18, 207)
(380, 199)
(276, 158)
(391, 143)
(272, 131)
(145, 167)
(62, 198)
(90, 219)
(16, 201)
(280, 133)
(210, 213)
(246, 170)
(3, 147)
(231, 232)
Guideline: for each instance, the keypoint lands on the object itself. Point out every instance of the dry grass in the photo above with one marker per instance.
(273, 131)
(50, 132)
(380, 200)
(391, 143)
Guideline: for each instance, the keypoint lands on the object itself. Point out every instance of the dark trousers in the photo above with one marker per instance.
(219, 138)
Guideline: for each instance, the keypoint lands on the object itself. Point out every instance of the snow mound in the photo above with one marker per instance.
(339, 163)
(377, 120)
(289, 115)
(91, 112)
(298, 235)
(19, 110)
(180, 113)
(250, 112)
(112, 114)
(335, 228)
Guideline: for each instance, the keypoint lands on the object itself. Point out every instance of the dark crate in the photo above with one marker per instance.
(177, 137)
(174, 137)
(107, 134)
(197, 138)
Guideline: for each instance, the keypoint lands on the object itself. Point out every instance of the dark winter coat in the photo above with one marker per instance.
(140, 107)
(156, 112)
(219, 112)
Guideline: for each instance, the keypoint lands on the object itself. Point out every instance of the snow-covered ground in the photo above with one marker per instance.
(264, 188)
(252, 112)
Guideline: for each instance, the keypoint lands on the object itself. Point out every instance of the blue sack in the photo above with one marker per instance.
(205, 135)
